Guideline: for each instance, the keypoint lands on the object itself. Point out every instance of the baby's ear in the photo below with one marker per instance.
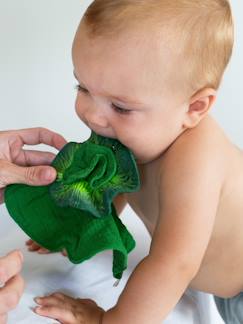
(199, 105)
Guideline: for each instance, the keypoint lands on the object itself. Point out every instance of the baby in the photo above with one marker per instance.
(148, 72)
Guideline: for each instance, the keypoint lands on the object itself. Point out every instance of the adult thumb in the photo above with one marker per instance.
(33, 175)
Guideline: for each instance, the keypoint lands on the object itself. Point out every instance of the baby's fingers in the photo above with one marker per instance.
(64, 252)
(56, 299)
(62, 315)
(33, 246)
(29, 242)
(43, 251)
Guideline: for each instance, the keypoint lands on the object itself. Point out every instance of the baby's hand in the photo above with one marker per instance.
(35, 247)
(68, 310)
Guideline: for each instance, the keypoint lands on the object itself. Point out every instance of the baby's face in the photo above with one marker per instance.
(124, 93)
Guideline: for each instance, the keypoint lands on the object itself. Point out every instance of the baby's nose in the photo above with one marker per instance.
(96, 120)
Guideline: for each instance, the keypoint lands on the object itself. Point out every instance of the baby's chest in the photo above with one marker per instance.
(145, 202)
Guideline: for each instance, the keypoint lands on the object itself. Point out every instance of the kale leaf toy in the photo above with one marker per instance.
(76, 212)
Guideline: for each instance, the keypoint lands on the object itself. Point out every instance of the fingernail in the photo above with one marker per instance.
(37, 300)
(47, 174)
(37, 309)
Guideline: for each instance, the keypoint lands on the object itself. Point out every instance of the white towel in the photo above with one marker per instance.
(93, 279)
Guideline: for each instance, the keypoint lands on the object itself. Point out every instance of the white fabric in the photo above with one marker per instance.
(93, 279)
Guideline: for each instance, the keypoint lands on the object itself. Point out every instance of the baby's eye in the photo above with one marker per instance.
(120, 110)
(81, 89)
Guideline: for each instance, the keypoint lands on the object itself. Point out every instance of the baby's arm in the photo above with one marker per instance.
(191, 180)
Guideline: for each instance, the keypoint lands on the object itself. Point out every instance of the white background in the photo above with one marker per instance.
(36, 81)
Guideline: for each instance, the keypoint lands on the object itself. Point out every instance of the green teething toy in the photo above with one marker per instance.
(76, 212)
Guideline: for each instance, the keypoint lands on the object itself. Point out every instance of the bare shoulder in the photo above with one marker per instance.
(192, 173)
(197, 152)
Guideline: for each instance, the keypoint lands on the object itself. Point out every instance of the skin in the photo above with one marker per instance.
(10, 267)
(29, 167)
(191, 178)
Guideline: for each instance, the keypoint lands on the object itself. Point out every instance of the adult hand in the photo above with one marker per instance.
(11, 282)
(27, 166)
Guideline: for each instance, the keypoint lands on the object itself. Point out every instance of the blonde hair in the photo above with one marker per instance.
(204, 29)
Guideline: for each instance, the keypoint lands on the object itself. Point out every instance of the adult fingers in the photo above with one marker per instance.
(10, 265)
(3, 319)
(11, 293)
(35, 175)
(40, 135)
(32, 158)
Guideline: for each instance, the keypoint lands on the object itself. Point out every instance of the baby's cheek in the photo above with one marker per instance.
(77, 107)
(80, 113)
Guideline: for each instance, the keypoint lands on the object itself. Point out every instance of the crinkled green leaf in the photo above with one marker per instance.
(57, 228)
(96, 171)
(89, 175)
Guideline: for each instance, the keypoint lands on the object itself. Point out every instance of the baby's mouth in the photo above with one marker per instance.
(100, 132)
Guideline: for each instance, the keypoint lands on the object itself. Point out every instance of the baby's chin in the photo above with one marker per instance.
(145, 159)
(140, 159)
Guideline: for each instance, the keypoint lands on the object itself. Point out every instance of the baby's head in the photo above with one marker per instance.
(149, 69)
